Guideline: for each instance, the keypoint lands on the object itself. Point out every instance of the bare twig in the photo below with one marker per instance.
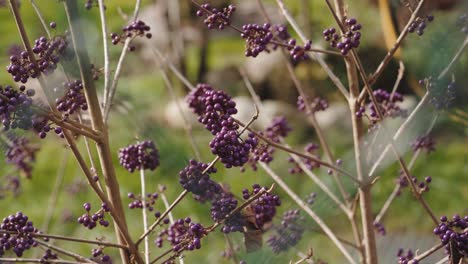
(65, 252)
(145, 218)
(41, 18)
(454, 59)
(107, 73)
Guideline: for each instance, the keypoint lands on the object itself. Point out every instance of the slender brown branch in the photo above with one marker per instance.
(65, 252)
(33, 260)
(454, 59)
(428, 252)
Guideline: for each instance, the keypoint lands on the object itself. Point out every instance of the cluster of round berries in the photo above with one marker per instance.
(263, 207)
(279, 128)
(316, 105)
(425, 142)
(73, 100)
(182, 234)
(406, 258)
(310, 198)
(348, 40)
(10, 184)
(99, 255)
(454, 233)
(388, 104)
(221, 209)
(309, 163)
(22, 154)
(137, 201)
(42, 126)
(200, 185)
(48, 55)
(214, 109)
(281, 32)
(423, 186)
(15, 107)
(232, 151)
(143, 155)
(289, 232)
(134, 29)
(441, 95)
(48, 255)
(419, 24)
(380, 228)
(21, 239)
(462, 22)
(215, 18)
(90, 220)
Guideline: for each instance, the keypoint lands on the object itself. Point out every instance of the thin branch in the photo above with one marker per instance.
(401, 72)
(429, 252)
(454, 59)
(107, 73)
(32, 260)
(41, 18)
(173, 68)
(145, 218)
(319, 59)
(309, 211)
(65, 252)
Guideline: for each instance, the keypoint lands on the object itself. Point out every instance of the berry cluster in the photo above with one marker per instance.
(310, 198)
(215, 18)
(137, 201)
(22, 238)
(309, 163)
(183, 234)
(279, 128)
(98, 255)
(22, 154)
(200, 185)
(441, 95)
(214, 109)
(351, 38)
(419, 24)
(134, 29)
(289, 232)
(15, 107)
(388, 104)
(143, 155)
(90, 220)
(233, 152)
(74, 100)
(316, 105)
(454, 233)
(10, 184)
(380, 228)
(48, 54)
(406, 258)
(425, 142)
(220, 210)
(422, 186)
(48, 255)
(263, 207)
(462, 23)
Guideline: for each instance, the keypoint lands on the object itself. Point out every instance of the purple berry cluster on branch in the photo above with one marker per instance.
(278, 129)
(15, 107)
(380, 228)
(454, 233)
(388, 104)
(215, 109)
(143, 155)
(183, 234)
(137, 201)
(346, 41)
(22, 237)
(221, 209)
(310, 148)
(214, 18)
(47, 52)
(74, 100)
(441, 93)
(425, 142)
(288, 233)
(421, 186)
(419, 24)
(48, 255)
(22, 154)
(263, 208)
(407, 258)
(198, 183)
(317, 104)
(135, 29)
(98, 255)
(91, 220)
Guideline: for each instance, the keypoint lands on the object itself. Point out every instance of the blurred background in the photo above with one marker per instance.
(144, 109)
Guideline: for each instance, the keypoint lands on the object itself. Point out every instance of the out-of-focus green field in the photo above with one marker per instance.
(144, 90)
